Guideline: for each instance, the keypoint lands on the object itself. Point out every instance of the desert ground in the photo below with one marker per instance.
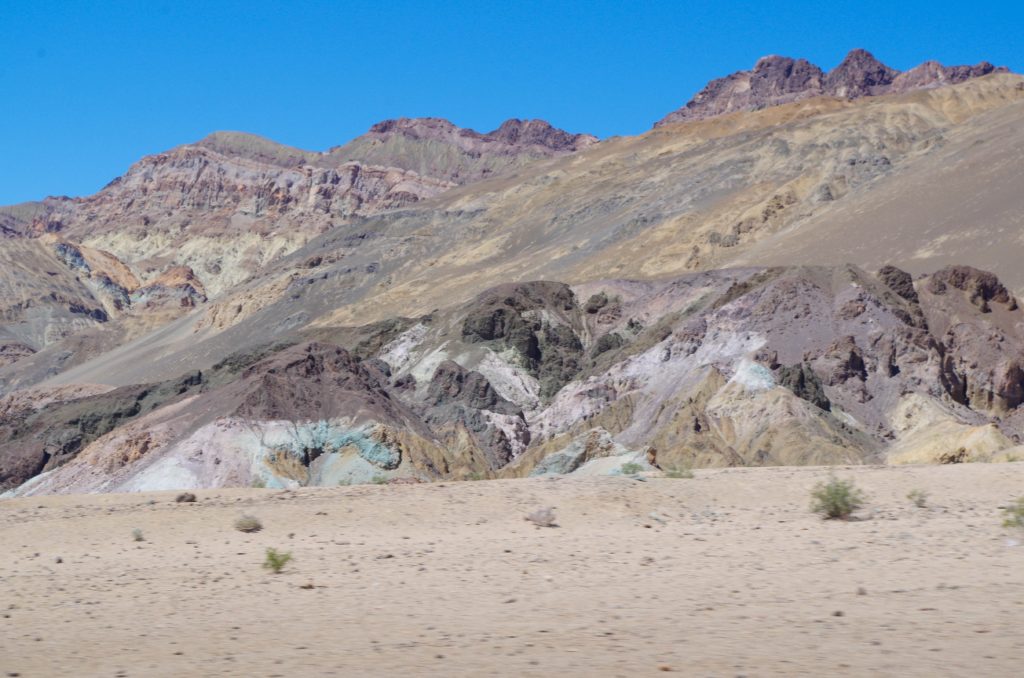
(724, 574)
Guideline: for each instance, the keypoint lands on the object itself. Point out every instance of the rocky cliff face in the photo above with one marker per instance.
(776, 80)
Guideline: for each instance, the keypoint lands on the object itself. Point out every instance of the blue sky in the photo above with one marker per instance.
(90, 87)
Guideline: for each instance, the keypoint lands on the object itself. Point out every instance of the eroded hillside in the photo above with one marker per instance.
(555, 305)
(753, 366)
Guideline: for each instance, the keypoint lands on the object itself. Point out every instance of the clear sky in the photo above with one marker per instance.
(90, 87)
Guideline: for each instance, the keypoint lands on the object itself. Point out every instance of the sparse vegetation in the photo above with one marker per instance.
(681, 472)
(137, 535)
(542, 517)
(276, 560)
(379, 480)
(248, 523)
(836, 499)
(918, 498)
(259, 482)
(1014, 514)
(631, 468)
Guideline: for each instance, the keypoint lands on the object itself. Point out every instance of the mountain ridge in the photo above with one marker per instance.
(776, 80)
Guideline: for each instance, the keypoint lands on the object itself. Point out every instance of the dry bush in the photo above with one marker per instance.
(542, 517)
(248, 523)
(1014, 514)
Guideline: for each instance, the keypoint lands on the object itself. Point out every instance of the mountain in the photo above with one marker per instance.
(435, 147)
(831, 279)
(174, 208)
(220, 209)
(777, 80)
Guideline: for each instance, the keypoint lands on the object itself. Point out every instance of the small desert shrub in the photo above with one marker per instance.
(275, 561)
(542, 517)
(248, 523)
(918, 498)
(836, 499)
(185, 498)
(631, 468)
(137, 535)
(259, 483)
(1014, 514)
(379, 480)
(678, 473)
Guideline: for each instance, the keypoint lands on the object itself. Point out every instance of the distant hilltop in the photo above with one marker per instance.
(776, 80)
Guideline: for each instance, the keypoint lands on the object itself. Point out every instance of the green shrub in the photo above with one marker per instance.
(259, 483)
(918, 498)
(678, 473)
(275, 561)
(248, 523)
(1014, 514)
(836, 499)
(137, 535)
(379, 480)
(631, 468)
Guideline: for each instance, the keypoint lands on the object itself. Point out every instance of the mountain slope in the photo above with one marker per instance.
(660, 299)
(231, 203)
(691, 198)
(963, 205)
(678, 199)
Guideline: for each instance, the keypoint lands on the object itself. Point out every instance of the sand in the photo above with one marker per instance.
(725, 574)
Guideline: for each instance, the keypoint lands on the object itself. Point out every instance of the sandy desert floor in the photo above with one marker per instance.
(725, 574)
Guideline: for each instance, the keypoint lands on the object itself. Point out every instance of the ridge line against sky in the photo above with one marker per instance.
(92, 87)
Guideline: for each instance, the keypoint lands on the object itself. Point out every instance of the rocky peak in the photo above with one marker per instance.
(778, 75)
(253, 147)
(538, 133)
(980, 286)
(859, 74)
(416, 128)
(777, 80)
(513, 133)
(933, 74)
